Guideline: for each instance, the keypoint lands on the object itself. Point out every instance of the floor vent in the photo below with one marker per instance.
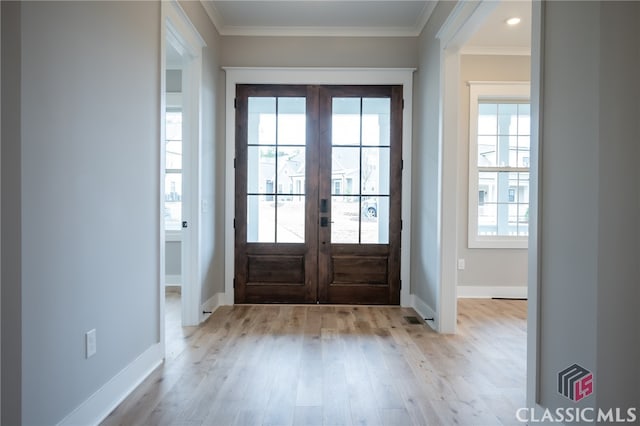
(412, 320)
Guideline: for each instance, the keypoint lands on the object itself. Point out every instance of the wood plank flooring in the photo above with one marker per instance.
(336, 365)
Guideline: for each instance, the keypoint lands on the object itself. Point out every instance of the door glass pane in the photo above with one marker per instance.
(261, 219)
(375, 171)
(375, 220)
(290, 219)
(291, 169)
(260, 169)
(344, 214)
(345, 170)
(376, 121)
(292, 125)
(345, 121)
(261, 121)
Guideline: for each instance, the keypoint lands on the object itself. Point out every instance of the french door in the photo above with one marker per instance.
(318, 186)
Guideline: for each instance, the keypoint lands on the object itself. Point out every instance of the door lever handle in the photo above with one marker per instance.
(324, 205)
(324, 222)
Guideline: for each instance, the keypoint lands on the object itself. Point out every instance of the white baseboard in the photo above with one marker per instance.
(488, 292)
(227, 298)
(172, 279)
(213, 303)
(425, 311)
(98, 406)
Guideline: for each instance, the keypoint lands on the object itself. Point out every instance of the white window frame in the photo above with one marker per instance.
(493, 91)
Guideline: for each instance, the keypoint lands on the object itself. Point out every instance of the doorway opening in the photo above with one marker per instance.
(180, 215)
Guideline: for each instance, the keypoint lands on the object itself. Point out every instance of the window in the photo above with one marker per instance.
(499, 152)
(173, 170)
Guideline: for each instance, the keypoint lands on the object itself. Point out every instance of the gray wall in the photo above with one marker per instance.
(394, 52)
(174, 81)
(425, 257)
(11, 216)
(590, 201)
(212, 185)
(89, 200)
(173, 258)
(485, 267)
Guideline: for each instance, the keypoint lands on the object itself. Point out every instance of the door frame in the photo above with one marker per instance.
(322, 76)
(178, 30)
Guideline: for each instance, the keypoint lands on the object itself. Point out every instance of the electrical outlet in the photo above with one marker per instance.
(90, 343)
(461, 264)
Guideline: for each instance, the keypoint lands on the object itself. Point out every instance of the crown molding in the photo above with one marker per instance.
(496, 50)
(296, 31)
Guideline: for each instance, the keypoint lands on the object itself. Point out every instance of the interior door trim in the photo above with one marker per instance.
(335, 76)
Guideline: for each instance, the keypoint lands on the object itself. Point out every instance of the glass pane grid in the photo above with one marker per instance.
(276, 170)
(360, 170)
(503, 142)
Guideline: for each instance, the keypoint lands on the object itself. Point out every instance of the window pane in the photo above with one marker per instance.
(375, 171)
(261, 124)
(488, 183)
(524, 119)
(488, 219)
(173, 125)
(345, 121)
(345, 167)
(173, 155)
(487, 151)
(523, 219)
(344, 215)
(523, 188)
(291, 169)
(261, 219)
(173, 201)
(260, 169)
(502, 187)
(291, 213)
(376, 121)
(487, 121)
(292, 123)
(375, 220)
(523, 158)
(507, 119)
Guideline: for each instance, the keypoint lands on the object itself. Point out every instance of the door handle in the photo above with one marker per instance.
(324, 222)
(324, 206)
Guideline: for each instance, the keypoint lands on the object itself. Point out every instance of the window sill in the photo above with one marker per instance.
(499, 243)
(173, 236)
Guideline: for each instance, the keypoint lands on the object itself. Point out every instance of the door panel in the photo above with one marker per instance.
(360, 175)
(318, 173)
(276, 194)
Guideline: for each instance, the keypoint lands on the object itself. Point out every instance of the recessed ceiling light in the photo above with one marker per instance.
(513, 21)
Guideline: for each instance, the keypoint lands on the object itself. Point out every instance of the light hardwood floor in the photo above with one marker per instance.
(336, 365)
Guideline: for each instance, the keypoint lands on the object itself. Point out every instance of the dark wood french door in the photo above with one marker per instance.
(318, 187)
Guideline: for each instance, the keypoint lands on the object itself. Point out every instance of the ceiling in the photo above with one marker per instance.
(364, 18)
(494, 36)
(320, 17)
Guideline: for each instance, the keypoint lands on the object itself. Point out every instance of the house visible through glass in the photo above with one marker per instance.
(360, 161)
(276, 166)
